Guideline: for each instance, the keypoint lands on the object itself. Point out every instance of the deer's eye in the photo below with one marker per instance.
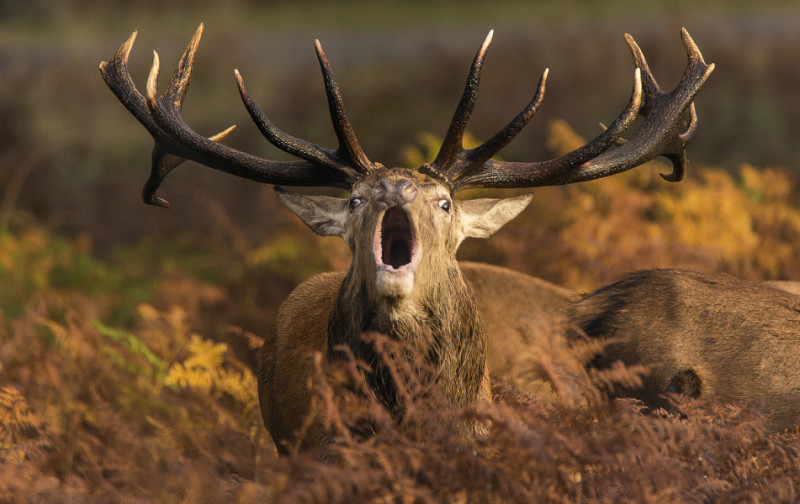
(444, 205)
(355, 203)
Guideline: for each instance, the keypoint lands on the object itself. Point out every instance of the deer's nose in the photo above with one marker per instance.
(395, 191)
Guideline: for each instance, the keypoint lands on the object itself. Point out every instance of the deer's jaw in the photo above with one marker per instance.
(396, 251)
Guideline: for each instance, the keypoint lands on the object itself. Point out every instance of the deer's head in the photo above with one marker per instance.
(402, 224)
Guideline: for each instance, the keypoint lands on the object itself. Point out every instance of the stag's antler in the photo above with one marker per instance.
(176, 142)
(665, 132)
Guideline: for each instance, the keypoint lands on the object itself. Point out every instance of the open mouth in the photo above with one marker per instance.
(395, 246)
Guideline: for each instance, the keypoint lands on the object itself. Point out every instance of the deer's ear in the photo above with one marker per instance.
(325, 215)
(480, 218)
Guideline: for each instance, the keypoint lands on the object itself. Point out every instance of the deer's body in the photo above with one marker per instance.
(504, 299)
(404, 227)
(703, 335)
(507, 302)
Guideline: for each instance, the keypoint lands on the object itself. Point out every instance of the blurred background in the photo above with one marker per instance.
(73, 160)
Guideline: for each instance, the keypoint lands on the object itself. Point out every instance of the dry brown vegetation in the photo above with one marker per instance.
(117, 385)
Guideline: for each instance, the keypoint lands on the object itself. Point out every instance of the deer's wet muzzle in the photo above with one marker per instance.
(395, 192)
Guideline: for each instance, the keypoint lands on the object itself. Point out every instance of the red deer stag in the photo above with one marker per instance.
(702, 335)
(403, 226)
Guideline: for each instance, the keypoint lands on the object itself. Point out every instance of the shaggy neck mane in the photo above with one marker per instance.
(445, 323)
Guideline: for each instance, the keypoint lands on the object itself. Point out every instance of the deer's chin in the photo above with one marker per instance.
(394, 284)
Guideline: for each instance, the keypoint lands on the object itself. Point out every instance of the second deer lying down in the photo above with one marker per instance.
(702, 335)
(403, 227)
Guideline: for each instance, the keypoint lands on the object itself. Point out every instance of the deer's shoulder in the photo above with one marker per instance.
(492, 283)
(311, 301)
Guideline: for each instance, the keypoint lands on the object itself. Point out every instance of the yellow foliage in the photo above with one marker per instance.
(148, 313)
(280, 247)
(712, 212)
(89, 402)
(426, 148)
(166, 333)
(59, 331)
(561, 138)
(587, 235)
(204, 370)
(288, 254)
(766, 185)
(18, 424)
(776, 220)
(35, 264)
(24, 258)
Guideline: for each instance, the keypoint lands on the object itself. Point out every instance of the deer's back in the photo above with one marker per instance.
(741, 339)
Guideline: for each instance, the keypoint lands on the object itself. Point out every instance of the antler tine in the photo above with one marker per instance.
(288, 143)
(115, 73)
(175, 142)
(474, 158)
(348, 143)
(651, 87)
(515, 174)
(163, 163)
(665, 132)
(179, 84)
(453, 143)
(465, 165)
